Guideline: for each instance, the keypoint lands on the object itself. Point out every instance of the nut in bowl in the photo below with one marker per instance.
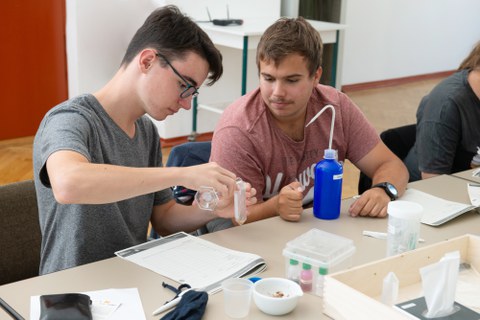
(276, 296)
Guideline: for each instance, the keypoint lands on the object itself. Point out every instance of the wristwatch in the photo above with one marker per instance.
(389, 188)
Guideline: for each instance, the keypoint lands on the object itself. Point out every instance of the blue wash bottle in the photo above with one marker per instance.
(328, 187)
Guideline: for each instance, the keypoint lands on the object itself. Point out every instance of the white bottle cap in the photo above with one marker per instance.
(329, 154)
(405, 210)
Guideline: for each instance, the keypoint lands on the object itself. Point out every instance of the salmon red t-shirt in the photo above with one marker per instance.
(247, 142)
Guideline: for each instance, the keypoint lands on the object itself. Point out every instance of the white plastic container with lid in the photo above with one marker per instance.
(403, 226)
(320, 249)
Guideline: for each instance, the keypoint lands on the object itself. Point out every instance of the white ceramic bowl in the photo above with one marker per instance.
(276, 296)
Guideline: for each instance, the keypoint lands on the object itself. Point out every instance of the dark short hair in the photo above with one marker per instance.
(173, 34)
(288, 36)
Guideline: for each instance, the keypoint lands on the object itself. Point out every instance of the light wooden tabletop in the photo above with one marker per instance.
(266, 238)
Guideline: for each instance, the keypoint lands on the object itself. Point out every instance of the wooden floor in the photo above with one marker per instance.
(385, 107)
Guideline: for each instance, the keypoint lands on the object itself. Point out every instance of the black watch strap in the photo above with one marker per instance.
(389, 189)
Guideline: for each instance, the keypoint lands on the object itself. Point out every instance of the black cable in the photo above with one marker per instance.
(14, 314)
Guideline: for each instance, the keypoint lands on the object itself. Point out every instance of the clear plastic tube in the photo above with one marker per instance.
(240, 202)
(328, 106)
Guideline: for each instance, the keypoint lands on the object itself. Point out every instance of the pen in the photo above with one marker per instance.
(170, 304)
(381, 235)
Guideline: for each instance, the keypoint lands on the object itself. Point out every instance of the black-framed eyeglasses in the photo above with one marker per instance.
(190, 90)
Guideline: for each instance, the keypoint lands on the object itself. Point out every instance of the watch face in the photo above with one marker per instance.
(392, 189)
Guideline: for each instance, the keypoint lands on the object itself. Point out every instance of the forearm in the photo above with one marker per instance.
(75, 180)
(262, 210)
(393, 171)
(429, 175)
(100, 183)
(173, 217)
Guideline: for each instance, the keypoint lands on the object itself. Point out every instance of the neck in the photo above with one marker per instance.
(119, 103)
(294, 128)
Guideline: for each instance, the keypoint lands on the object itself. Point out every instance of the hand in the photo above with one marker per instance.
(289, 204)
(372, 203)
(209, 175)
(226, 207)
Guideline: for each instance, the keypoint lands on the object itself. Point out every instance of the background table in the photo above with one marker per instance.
(468, 175)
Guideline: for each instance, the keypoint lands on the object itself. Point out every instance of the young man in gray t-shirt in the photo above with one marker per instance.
(97, 157)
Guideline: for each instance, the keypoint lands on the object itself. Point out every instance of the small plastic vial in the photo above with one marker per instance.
(239, 201)
(322, 272)
(293, 271)
(306, 277)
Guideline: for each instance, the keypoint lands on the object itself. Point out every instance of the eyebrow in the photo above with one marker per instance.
(294, 75)
(190, 80)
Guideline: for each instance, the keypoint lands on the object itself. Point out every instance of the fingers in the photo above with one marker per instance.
(370, 204)
(296, 185)
(291, 216)
(211, 175)
(289, 204)
(290, 211)
(292, 191)
(251, 194)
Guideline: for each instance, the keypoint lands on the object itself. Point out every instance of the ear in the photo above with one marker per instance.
(318, 74)
(146, 59)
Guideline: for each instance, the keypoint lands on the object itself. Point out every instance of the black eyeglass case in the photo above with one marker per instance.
(66, 306)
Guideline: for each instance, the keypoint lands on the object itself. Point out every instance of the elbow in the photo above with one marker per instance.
(65, 191)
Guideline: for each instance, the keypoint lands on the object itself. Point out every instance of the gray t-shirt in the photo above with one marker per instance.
(448, 132)
(77, 234)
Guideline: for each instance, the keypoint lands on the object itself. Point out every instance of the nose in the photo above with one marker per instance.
(186, 103)
(278, 89)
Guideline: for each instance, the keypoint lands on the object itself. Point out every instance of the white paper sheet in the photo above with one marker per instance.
(192, 260)
(474, 193)
(436, 211)
(118, 304)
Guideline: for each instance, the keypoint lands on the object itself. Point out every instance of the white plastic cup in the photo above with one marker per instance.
(403, 226)
(237, 294)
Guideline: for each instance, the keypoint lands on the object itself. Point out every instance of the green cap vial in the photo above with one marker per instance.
(323, 271)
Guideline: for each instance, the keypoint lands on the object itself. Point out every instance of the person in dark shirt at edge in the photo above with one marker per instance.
(448, 124)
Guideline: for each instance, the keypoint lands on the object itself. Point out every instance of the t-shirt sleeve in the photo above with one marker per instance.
(234, 151)
(360, 136)
(58, 133)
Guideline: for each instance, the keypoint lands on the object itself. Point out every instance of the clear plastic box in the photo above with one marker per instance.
(324, 252)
